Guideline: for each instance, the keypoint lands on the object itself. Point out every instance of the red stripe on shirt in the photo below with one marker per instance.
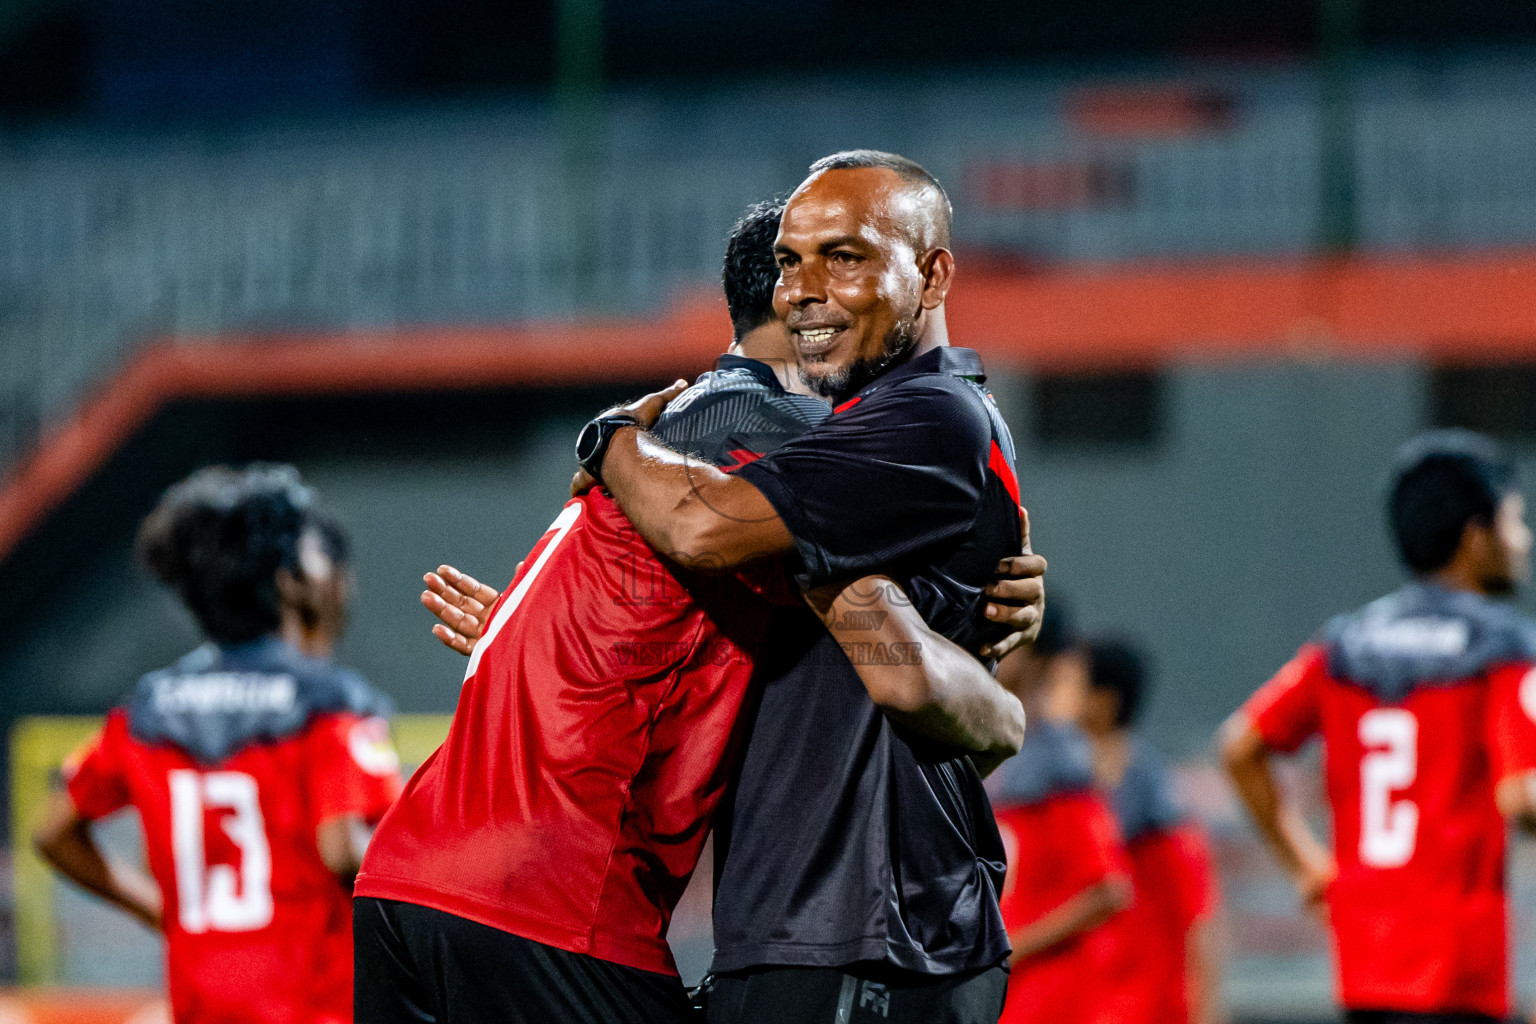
(998, 463)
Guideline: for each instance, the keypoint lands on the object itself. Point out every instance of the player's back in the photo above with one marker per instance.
(571, 798)
(1410, 695)
(1173, 887)
(1061, 837)
(230, 757)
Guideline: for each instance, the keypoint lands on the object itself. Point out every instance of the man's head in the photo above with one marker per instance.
(751, 270)
(1117, 679)
(320, 595)
(864, 264)
(1456, 514)
(221, 538)
(750, 273)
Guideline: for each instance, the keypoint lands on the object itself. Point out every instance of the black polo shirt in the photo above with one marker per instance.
(848, 839)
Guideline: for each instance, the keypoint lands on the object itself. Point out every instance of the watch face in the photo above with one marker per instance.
(586, 443)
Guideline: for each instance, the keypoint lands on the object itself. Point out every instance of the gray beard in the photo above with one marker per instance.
(857, 375)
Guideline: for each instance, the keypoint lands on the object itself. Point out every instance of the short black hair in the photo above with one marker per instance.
(1057, 633)
(751, 270)
(910, 171)
(1119, 666)
(218, 538)
(1441, 481)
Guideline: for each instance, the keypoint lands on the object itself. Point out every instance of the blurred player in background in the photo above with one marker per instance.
(322, 620)
(1067, 870)
(530, 870)
(1166, 968)
(1424, 701)
(254, 768)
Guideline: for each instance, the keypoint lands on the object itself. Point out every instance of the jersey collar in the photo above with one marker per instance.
(956, 362)
(761, 370)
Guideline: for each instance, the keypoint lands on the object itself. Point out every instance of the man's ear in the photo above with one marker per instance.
(293, 591)
(1479, 542)
(938, 268)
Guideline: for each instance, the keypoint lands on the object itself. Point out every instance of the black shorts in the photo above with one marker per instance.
(416, 965)
(1404, 1017)
(857, 994)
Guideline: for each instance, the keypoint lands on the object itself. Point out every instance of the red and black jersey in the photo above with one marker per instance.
(233, 758)
(1174, 888)
(1424, 700)
(592, 739)
(847, 838)
(1061, 837)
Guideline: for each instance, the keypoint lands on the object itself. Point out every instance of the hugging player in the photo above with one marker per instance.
(530, 869)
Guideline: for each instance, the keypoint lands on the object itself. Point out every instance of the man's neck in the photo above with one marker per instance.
(770, 345)
(1111, 755)
(1458, 577)
(933, 332)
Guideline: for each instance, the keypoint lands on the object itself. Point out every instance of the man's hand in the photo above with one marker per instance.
(646, 411)
(462, 604)
(1019, 597)
(1312, 885)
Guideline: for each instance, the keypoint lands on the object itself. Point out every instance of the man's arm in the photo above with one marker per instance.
(463, 604)
(701, 517)
(1086, 910)
(1246, 758)
(1515, 796)
(63, 838)
(917, 677)
(342, 840)
(1202, 973)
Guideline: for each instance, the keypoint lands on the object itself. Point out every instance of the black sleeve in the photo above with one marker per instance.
(902, 470)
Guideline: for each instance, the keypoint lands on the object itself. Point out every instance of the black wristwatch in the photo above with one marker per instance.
(592, 443)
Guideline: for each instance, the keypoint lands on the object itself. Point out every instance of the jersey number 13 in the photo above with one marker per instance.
(220, 897)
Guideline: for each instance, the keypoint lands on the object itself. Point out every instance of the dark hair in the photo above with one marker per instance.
(218, 539)
(910, 171)
(751, 270)
(1441, 481)
(1120, 667)
(1057, 634)
(334, 539)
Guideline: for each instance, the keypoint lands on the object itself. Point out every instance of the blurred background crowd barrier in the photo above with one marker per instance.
(486, 215)
(1221, 259)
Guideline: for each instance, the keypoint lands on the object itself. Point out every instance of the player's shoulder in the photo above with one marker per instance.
(345, 688)
(952, 414)
(1145, 800)
(218, 700)
(1424, 634)
(734, 376)
(1054, 760)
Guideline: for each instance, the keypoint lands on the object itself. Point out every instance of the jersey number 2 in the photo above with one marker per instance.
(220, 897)
(1389, 828)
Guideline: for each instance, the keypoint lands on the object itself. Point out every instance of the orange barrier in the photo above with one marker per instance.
(1463, 309)
(82, 1006)
(1452, 309)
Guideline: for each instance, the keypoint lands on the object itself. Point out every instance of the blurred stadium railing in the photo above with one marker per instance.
(482, 217)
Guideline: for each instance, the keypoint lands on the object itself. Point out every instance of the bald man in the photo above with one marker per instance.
(858, 864)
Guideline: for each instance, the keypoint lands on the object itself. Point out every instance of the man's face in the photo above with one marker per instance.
(1510, 565)
(1067, 687)
(327, 590)
(851, 286)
